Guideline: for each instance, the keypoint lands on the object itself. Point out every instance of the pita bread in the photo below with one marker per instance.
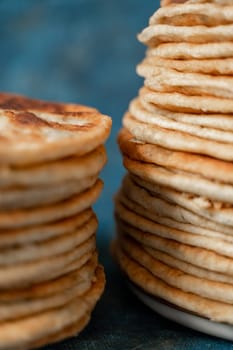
(215, 310)
(160, 33)
(197, 256)
(68, 332)
(25, 274)
(148, 204)
(23, 332)
(178, 140)
(180, 181)
(36, 216)
(187, 267)
(175, 277)
(35, 131)
(191, 50)
(30, 197)
(137, 110)
(194, 14)
(169, 80)
(55, 172)
(217, 245)
(49, 248)
(41, 233)
(49, 288)
(200, 205)
(207, 167)
(161, 217)
(221, 66)
(214, 121)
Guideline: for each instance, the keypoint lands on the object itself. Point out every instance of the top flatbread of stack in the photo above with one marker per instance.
(33, 131)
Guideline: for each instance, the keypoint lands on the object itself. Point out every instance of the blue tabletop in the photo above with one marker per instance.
(86, 51)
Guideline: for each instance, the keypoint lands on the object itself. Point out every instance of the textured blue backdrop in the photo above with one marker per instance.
(86, 51)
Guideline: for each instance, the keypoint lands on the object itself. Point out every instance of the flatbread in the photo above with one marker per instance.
(40, 233)
(27, 274)
(174, 277)
(187, 267)
(22, 333)
(217, 245)
(163, 33)
(33, 131)
(19, 309)
(197, 256)
(198, 84)
(138, 111)
(162, 217)
(214, 310)
(199, 205)
(148, 203)
(186, 50)
(216, 121)
(218, 66)
(180, 181)
(178, 140)
(192, 14)
(49, 248)
(49, 288)
(45, 214)
(207, 167)
(30, 197)
(54, 172)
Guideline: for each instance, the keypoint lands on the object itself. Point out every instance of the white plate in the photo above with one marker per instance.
(185, 318)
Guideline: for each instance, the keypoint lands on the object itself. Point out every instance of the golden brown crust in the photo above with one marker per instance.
(33, 131)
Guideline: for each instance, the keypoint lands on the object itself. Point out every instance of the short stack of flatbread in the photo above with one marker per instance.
(174, 211)
(50, 158)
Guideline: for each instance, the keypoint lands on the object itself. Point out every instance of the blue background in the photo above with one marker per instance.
(86, 51)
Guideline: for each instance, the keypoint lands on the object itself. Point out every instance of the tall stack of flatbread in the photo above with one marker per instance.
(50, 159)
(175, 208)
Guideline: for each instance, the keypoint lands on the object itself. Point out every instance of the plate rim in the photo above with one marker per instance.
(183, 317)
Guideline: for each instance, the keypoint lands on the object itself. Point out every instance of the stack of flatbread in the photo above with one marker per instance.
(175, 208)
(50, 159)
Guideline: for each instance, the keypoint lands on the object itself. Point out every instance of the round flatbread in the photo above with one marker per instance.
(40, 233)
(215, 310)
(207, 167)
(198, 84)
(187, 267)
(33, 131)
(150, 204)
(48, 288)
(217, 245)
(163, 33)
(214, 211)
(174, 277)
(197, 256)
(180, 181)
(55, 172)
(61, 210)
(178, 140)
(193, 14)
(49, 248)
(211, 121)
(30, 197)
(191, 50)
(37, 329)
(221, 66)
(27, 274)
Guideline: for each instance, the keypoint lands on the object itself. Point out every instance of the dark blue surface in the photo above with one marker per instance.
(86, 51)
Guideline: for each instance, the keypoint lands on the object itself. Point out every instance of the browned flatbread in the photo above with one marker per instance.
(214, 310)
(208, 167)
(38, 329)
(179, 279)
(33, 131)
